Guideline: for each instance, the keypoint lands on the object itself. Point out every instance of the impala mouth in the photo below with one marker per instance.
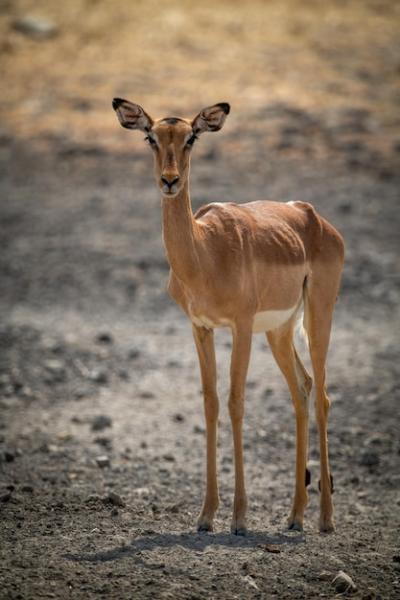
(170, 193)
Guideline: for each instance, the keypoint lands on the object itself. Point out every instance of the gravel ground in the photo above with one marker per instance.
(102, 440)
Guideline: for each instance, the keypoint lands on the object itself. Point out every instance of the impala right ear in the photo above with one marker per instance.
(132, 116)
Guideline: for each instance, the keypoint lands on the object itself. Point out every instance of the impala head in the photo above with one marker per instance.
(171, 139)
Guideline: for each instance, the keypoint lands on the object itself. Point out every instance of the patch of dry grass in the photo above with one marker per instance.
(174, 57)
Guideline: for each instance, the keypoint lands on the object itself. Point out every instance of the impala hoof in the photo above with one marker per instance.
(294, 526)
(327, 527)
(242, 531)
(205, 527)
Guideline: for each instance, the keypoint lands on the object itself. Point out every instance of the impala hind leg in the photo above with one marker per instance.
(242, 334)
(204, 339)
(320, 297)
(299, 383)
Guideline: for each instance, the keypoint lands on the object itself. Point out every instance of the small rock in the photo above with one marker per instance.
(103, 461)
(268, 392)
(55, 371)
(37, 28)
(173, 363)
(81, 392)
(396, 558)
(28, 488)
(17, 385)
(123, 374)
(369, 458)
(103, 441)
(7, 456)
(77, 420)
(104, 337)
(101, 422)
(178, 418)
(251, 384)
(5, 497)
(344, 583)
(198, 429)
(99, 375)
(345, 208)
(146, 395)
(115, 499)
(169, 457)
(114, 512)
(133, 353)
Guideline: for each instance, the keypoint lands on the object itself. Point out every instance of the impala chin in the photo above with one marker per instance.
(170, 193)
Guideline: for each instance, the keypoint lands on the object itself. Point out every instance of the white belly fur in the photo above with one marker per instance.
(272, 319)
(263, 321)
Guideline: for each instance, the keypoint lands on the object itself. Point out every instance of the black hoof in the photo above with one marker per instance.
(295, 527)
(241, 531)
(204, 528)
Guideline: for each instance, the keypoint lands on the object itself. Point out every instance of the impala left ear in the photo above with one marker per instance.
(211, 118)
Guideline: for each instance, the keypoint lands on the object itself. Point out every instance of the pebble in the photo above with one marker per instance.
(268, 392)
(103, 461)
(7, 456)
(123, 374)
(133, 353)
(104, 337)
(114, 498)
(169, 457)
(99, 375)
(369, 458)
(37, 28)
(198, 429)
(101, 422)
(146, 395)
(343, 583)
(103, 441)
(28, 488)
(178, 418)
(81, 392)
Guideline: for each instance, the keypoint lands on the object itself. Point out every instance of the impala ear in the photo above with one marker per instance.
(132, 116)
(211, 118)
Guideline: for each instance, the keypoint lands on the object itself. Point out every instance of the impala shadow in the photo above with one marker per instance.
(195, 542)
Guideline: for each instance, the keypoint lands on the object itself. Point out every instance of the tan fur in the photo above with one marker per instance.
(230, 262)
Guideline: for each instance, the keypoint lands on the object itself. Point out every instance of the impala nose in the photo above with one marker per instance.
(169, 181)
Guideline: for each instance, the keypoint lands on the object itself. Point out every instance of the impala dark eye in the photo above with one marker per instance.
(191, 140)
(151, 141)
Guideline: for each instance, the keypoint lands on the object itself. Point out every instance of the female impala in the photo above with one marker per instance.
(251, 267)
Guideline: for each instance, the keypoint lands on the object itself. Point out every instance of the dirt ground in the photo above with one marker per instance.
(102, 441)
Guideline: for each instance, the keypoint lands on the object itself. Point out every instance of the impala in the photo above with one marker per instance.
(253, 267)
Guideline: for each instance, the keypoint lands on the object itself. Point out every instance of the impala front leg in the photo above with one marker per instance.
(239, 364)
(204, 339)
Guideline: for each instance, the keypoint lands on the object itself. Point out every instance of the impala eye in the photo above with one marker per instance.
(151, 141)
(191, 140)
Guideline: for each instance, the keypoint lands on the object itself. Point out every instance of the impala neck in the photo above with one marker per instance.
(179, 234)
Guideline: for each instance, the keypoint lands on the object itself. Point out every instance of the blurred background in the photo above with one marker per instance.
(99, 384)
(337, 62)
